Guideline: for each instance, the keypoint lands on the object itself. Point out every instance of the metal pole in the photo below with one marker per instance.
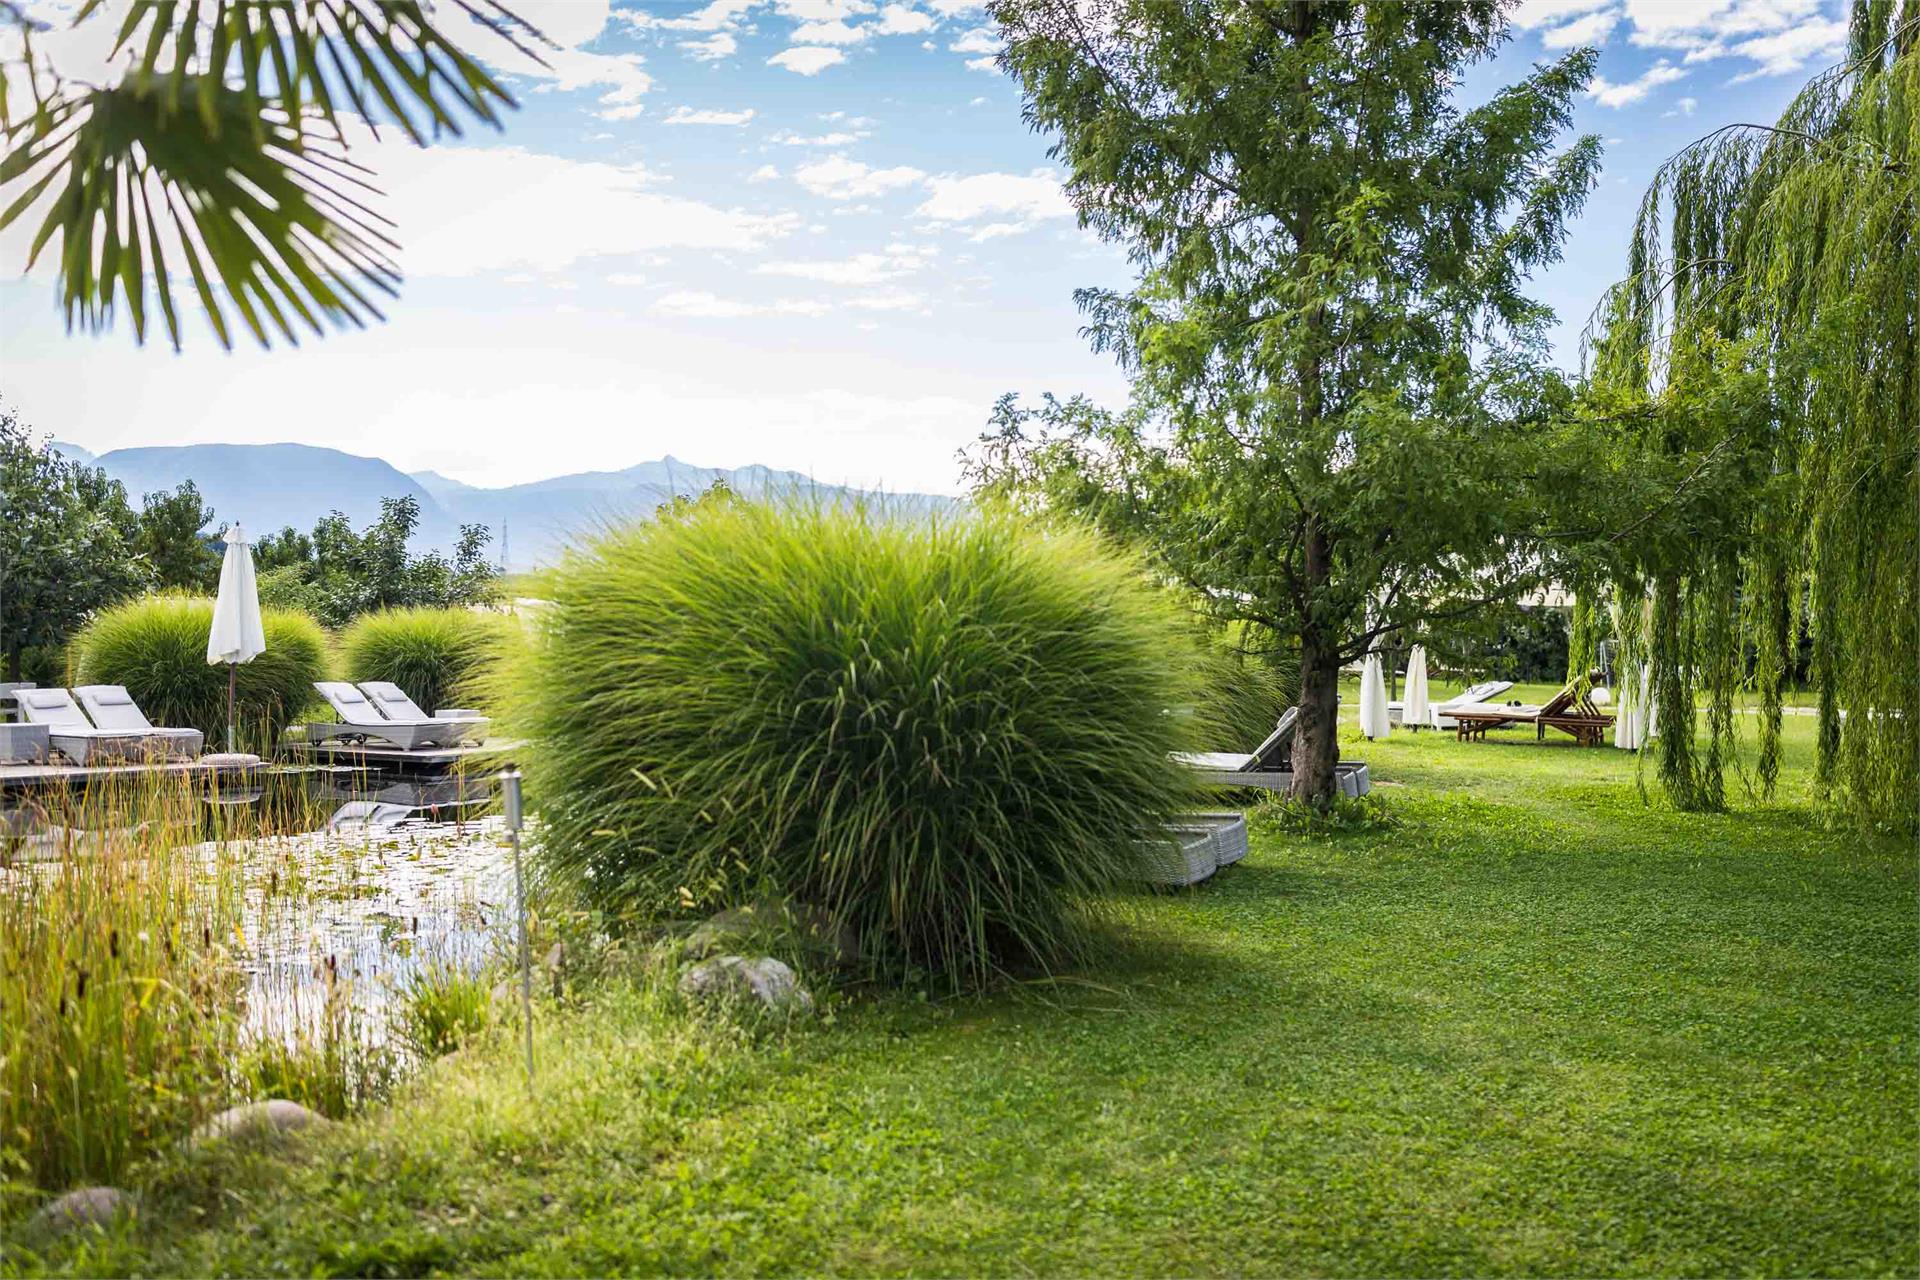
(233, 678)
(510, 793)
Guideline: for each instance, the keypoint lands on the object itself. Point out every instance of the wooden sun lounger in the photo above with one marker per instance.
(1566, 711)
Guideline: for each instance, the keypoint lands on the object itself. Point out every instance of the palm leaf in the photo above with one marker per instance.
(222, 144)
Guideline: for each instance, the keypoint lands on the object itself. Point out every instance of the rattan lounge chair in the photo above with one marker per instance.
(1270, 765)
(70, 733)
(362, 722)
(113, 710)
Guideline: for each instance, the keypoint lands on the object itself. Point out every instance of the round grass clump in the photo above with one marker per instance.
(157, 647)
(435, 655)
(947, 735)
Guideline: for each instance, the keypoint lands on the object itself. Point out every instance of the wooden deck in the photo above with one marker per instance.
(427, 759)
(14, 776)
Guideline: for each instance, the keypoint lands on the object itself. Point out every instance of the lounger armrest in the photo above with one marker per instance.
(448, 713)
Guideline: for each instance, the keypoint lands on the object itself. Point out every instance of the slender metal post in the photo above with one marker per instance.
(233, 679)
(510, 792)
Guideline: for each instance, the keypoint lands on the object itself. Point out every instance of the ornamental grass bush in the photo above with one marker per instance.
(157, 647)
(945, 735)
(436, 655)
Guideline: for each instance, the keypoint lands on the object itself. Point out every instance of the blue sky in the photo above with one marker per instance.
(808, 233)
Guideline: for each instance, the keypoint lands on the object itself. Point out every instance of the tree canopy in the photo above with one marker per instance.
(1764, 349)
(1341, 415)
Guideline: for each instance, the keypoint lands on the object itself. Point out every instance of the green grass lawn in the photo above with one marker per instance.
(1532, 1026)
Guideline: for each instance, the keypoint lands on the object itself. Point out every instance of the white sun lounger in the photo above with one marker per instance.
(396, 706)
(362, 721)
(70, 733)
(113, 710)
(1437, 712)
(1270, 765)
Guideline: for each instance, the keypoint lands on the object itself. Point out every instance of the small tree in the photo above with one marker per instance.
(173, 538)
(340, 574)
(66, 544)
(1340, 396)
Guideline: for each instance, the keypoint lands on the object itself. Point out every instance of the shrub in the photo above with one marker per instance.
(433, 654)
(1244, 694)
(157, 647)
(945, 735)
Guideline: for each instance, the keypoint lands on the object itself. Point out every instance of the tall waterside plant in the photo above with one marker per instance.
(436, 655)
(948, 735)
(157, 647)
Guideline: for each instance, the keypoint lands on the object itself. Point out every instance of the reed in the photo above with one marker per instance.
(157, 647)
(946, 735)
(436, 655)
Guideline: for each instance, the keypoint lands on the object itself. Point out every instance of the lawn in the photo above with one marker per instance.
(1518, 1022)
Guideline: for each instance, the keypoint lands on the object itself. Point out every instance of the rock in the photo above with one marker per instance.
(766, 980)
(267, 1119)
(83, 1207)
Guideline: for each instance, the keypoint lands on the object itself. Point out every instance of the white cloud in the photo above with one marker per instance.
(902, 20)
(1608, 94)
(712, 49)
(466, 210)
(823, 10)
(1530, 14)
(888, 300)
(807, 60)
(839, 138)
(1005, 197)
(976, 102)
(860, 269)
(978, 40)
(982, 64)
(998, 230)
(701, 304)
(838, 178)
(829, 33)
(626, 278)
(765, 173)
(955, 8)
(709, 17)
(687, 115)
(1591, 30)
(1683, 107)
(1788, 51)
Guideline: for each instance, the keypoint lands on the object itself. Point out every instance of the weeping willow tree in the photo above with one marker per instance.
(1763, 349)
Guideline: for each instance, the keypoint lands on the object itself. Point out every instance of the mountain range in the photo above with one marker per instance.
(269, 486)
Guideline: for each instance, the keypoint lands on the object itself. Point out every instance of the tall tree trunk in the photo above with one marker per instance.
(1316, 744)
(13, 665)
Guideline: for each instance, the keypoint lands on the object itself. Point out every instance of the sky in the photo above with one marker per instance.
(813, 234)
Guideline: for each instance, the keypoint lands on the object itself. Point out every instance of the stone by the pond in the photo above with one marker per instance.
(258, 1120)
(83, 1207)
(764, 980)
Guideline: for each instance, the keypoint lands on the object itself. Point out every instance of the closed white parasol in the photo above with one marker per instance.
(1413, 710)
(1373, 699)
(237, 635)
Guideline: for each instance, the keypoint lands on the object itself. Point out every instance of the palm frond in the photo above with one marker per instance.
(223, 145)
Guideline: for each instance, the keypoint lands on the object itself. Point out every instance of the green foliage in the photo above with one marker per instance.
(157, 648)
(67, 545)
(174, 541)
(440, 1007)
(220, 153)
(1424, 1023)
(944, 735)
(1762, 367)
(339, 574)
(436, 655)
(1342, 421)
(1245, 695)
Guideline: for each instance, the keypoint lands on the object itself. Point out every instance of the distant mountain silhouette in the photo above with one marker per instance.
(270, 486)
